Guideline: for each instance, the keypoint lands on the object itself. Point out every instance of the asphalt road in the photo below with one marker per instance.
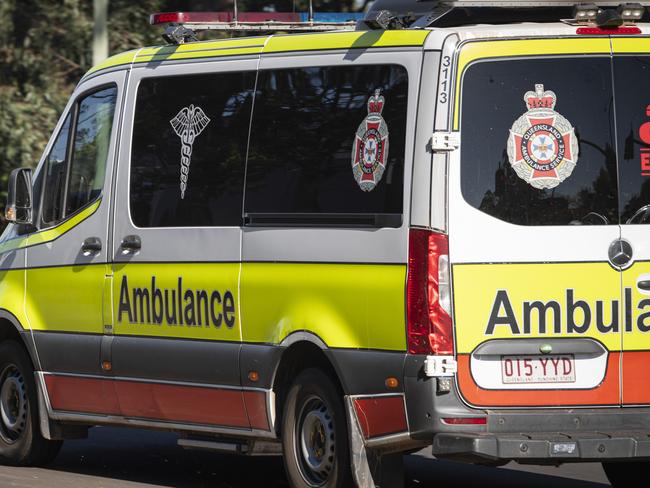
(122, 458)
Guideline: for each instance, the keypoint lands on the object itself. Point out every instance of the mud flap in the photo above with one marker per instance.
(370, 468)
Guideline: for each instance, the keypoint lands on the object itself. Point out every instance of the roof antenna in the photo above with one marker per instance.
(235, 13)
(311, 12)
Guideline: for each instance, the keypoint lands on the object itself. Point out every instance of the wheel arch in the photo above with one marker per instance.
(303, 350)
(12, 329)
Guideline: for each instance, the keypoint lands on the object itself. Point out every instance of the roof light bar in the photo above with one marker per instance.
(255, 21)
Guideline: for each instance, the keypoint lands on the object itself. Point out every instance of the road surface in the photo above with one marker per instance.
(123, 458)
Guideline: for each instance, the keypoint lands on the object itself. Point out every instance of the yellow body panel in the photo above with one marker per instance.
(196, 277)
(473, 51)
(479, 294)
(12, 294)
(346, 305)
(66, 298)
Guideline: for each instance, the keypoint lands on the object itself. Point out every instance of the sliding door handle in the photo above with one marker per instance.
(92, 245)
(131, 244)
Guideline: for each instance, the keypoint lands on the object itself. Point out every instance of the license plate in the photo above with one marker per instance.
(559, 368)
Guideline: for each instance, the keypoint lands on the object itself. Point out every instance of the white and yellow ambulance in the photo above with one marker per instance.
(431, 228)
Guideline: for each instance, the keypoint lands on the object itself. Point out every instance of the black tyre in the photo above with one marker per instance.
(315, 434)
(21, 442)
(626, 473)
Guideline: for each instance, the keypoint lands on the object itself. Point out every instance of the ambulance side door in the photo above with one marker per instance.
(176, 252)
(67, 253)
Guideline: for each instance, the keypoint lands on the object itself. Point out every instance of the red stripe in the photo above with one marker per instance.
(86, 395)
(255, 402)
(154, 401)
(381, 415)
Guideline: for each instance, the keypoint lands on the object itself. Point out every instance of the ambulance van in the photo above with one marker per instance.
(429, 228)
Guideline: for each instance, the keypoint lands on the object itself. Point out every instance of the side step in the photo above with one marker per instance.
(232, 446)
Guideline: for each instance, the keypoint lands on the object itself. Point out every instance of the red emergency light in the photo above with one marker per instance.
(599, 31)
(225, 17)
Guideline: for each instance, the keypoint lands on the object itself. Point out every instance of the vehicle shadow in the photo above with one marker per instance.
(112, 457)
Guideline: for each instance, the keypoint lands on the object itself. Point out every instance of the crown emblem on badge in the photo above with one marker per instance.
(370, 148)
(376, 103)
(542, 147)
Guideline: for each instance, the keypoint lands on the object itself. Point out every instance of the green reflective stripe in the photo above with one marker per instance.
(345, 40)
(122, 59)
(271, 44)
(48, 235)
(13, 244)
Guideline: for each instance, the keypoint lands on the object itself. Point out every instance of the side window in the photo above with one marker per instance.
(74, 170)
(189, 149)
(90, 148)
(327, 142)
(631, 79)
(54, 176)
(538, 142)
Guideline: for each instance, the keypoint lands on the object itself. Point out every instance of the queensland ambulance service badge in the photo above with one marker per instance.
(370, 150)
(542, 147)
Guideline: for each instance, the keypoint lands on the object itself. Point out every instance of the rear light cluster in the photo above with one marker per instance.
(428, 294)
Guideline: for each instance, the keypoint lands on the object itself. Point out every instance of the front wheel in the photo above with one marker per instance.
(21, 442)
(314, 434)
(626, 473)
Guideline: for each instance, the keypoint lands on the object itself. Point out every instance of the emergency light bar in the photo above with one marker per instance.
(182, 25)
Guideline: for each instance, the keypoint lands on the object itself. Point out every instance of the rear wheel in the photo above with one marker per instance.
(626, 473)
(21, 442)
(314, 434)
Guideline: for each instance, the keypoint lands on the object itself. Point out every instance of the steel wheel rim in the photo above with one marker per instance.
(13, 404)
(316, 442)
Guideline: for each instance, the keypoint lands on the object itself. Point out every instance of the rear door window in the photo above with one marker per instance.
(632, 79)
(510, 153)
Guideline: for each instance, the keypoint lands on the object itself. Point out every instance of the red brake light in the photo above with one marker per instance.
(598, 31)
(429, 325)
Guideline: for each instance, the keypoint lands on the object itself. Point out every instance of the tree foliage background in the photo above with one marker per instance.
(46, 47)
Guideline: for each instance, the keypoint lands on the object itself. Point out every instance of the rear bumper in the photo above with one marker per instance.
(534, 435)
(543, 448)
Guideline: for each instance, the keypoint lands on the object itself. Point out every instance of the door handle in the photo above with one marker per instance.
(131, 243)
(91, 245)
(644, 285)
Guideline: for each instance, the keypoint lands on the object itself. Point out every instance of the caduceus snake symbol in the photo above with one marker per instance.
(188, 124)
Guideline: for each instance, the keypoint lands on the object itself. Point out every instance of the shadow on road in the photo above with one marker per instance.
(112, 458)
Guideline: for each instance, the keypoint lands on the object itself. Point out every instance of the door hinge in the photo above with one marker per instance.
(442, 141)
(436, 366)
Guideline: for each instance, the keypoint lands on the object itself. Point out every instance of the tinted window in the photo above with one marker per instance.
(493, 105)
(313, 138)
(90, 150)
(631, 79)
(189, 148)
(55, 174)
